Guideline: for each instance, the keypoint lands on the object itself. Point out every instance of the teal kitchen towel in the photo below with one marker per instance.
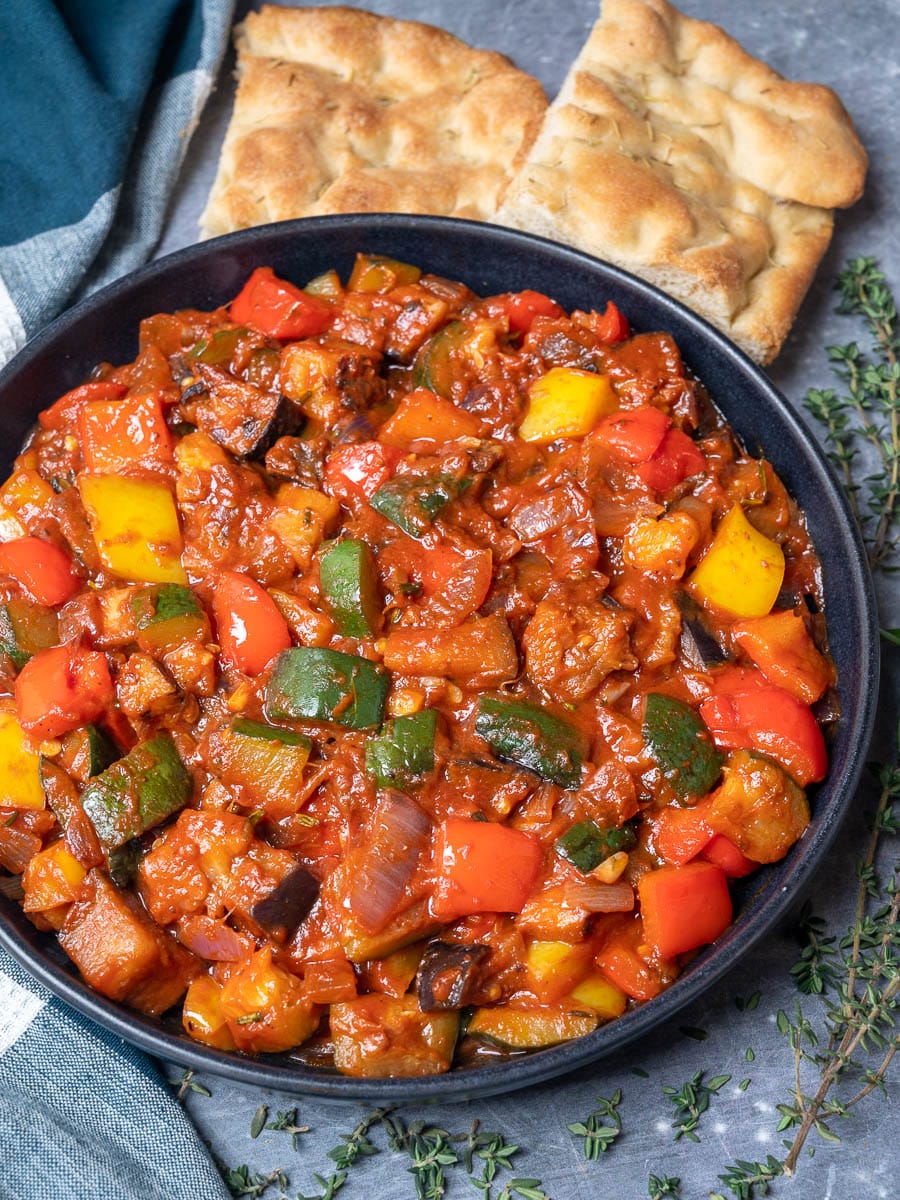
(98, 99)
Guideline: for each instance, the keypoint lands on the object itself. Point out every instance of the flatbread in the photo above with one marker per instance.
(674, 153)
(340, 110)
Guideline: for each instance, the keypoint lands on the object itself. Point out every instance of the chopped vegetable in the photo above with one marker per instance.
(769, 719)
(742, 571)
(43, 570)
(412, 503)
(529, 1028)
(61, 688)
(586, 845)
(250, 628)
(137, 792)
(350, 587)
(681, 745)
(26, 628)
(481, 651)
(684, 907)
(425, 417)
(327, 685)
(403, 751)
(167, 614)
(380, 1036)
(20, 779)
(278, 308)
(759, 808)
(780, 645)
(448, 975)
(483, 867)
(135, 527)
(266, 761)
(532, 737)
(564, 403)
(117, 435)
(523, 307)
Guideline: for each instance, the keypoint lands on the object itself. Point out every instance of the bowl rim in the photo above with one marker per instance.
(765, 908)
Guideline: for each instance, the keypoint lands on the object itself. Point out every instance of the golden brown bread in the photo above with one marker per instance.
(340, 110)
(674, 153)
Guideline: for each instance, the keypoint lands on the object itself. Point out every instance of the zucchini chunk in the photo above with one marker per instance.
(530, 736)
(327, 685)
(137, 792)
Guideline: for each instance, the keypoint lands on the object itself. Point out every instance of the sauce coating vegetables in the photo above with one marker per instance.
(397, 675)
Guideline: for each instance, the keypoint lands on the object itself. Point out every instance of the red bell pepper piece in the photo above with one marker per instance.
(117, 434)
(523, 307)
(634, 434)
(680, 834)
(725, 854)
(483, 867)
(249, 627)
(63, 688)
(43, 569)
(782, 648)
(627, 961)
(358, 471)
(684, 907)
(280, 309)
(612, 326)
(677, 458)
(67, 407)
(769, 719)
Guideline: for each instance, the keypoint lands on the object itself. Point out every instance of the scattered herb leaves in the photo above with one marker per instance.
(690, 1101)
(601, 1128)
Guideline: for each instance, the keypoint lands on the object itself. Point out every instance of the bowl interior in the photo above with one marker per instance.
(489, 259)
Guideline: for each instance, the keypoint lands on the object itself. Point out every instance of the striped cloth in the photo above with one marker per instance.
(98, 101)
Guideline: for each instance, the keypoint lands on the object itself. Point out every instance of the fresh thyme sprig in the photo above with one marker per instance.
(664, 1187)
(856, 1038)
(601, 1128)
(242, 1183)
(746, 1180)
(865, 418)
(691, 1101)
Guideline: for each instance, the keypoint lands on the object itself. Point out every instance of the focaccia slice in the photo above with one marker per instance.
(339, 110)
(674, 153)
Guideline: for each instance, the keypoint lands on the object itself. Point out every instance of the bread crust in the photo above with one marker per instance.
(674, 153)
(340, 110)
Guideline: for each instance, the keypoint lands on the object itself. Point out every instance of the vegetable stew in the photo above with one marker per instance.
(398, 677)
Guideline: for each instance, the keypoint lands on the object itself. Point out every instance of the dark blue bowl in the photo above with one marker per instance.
(489, 260)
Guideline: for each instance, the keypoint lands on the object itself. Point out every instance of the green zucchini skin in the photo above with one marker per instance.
(404, 750)
(586, 845)
(25, 628)
(350, 587)
(532, 737)
(432, 366)
(268, 733)
(681, 746)
(412, 503)
(138, 792)
(327, 685)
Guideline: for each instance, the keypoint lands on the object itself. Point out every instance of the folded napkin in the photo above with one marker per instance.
(83, 1115)
(98, 99)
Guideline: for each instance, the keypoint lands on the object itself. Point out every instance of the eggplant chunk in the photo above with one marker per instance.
(283, 910)
(699, 648)
(448, 974)
(245, 419)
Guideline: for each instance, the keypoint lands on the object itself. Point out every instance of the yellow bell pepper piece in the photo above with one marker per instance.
(20, 779)
(601, 997)
(135, 527)
(52, 877)
(545, 959)
(566, 402)
(742, 571)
